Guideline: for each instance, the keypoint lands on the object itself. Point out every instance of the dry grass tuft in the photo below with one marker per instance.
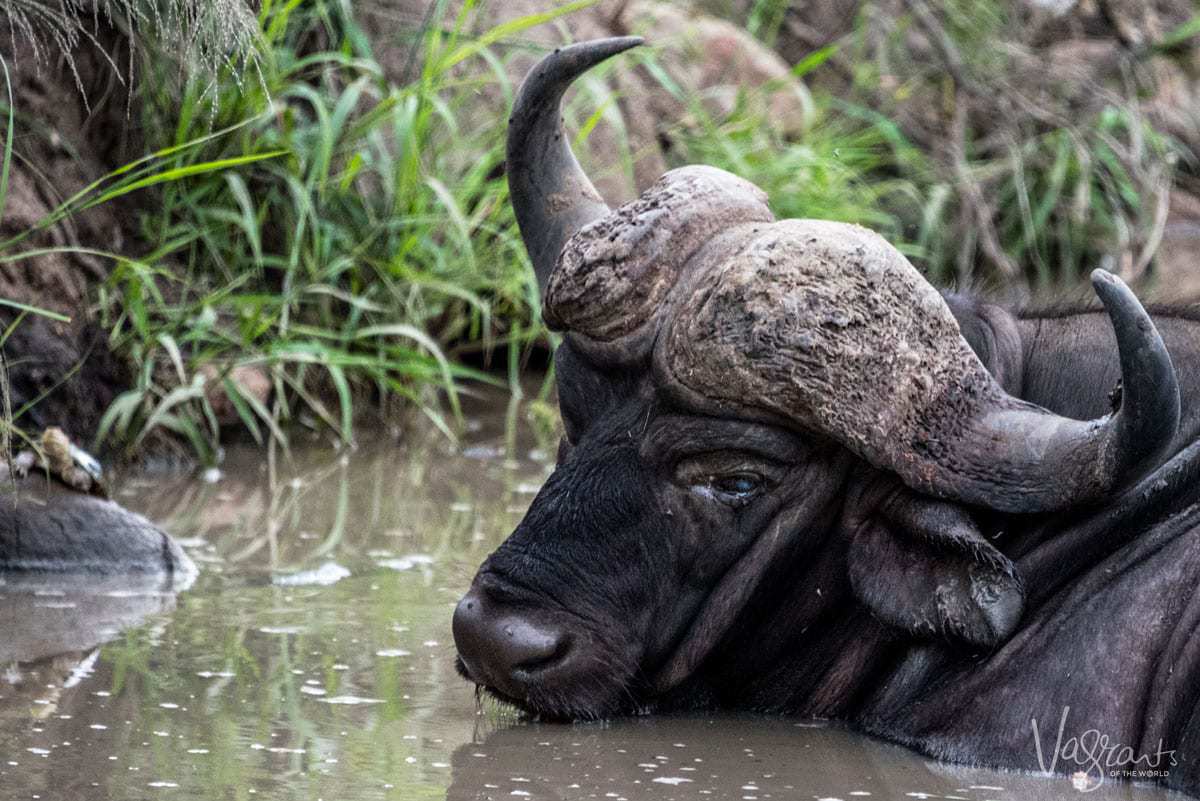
(202, 36)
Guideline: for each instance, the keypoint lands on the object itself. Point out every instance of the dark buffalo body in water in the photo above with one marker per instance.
(797, 479)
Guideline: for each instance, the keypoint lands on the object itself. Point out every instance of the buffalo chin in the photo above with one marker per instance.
(593, 695)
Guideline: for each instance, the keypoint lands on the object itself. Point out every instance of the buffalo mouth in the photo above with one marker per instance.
(460, 667)
(595, 691)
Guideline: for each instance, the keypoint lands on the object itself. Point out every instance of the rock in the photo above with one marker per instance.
(47, 530)
(252, 380)
(806, 26)
(716, 60)
(1175, 105)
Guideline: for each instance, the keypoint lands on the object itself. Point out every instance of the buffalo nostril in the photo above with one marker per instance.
(469, 627)
(526, 646)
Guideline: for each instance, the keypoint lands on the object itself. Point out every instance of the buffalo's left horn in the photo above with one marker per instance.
(551, 194)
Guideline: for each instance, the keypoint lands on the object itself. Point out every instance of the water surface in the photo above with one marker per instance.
(312, 659)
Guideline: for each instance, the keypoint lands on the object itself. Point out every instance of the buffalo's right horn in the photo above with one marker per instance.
(551, 194)
(830, 326)
(1027, 458)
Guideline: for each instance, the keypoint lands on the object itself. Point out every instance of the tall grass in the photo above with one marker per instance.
(356, 238)
(203, 35)
(838, 170)
(1033, 201)
(1022, 176)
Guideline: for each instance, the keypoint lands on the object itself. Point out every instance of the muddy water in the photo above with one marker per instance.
(312, 659)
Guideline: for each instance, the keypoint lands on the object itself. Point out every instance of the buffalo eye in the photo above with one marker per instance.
(736, 489)
(733, 476)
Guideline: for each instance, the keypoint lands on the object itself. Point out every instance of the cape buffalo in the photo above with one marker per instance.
(796, 478)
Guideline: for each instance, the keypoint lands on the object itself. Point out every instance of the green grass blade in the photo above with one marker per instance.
(25, 307)
(8, 141)
(178, 173)
(511, 28)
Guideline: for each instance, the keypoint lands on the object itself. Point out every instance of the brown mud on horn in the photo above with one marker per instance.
(827, 327)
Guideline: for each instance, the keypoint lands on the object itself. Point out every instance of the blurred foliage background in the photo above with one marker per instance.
(221, 220)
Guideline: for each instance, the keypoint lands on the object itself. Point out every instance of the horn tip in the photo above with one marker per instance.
(1115, 293)
(594, 51)
(1102, 277)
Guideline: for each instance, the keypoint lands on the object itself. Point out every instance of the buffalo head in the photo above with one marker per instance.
(759, 413)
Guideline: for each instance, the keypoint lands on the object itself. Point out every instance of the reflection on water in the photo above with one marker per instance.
(742, 757)
(44, 616)
(312, 659)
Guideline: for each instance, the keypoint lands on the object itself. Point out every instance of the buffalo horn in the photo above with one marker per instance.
(551, 195)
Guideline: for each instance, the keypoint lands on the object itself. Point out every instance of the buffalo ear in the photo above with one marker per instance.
(923, 566)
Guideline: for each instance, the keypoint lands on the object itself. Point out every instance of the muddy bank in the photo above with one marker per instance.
(63, 142)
